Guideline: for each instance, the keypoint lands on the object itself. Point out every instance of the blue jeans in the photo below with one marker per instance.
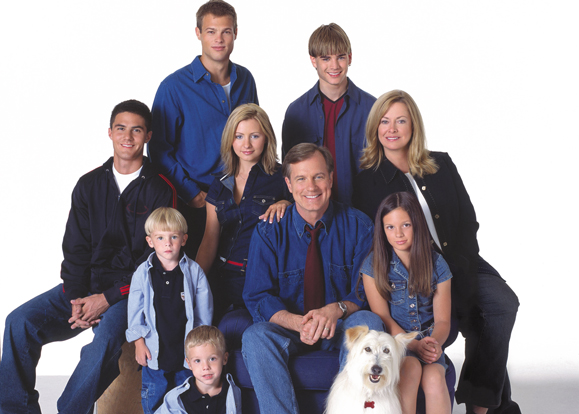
(157, 383)
(43, 320)
(483, 379)
(266, 350)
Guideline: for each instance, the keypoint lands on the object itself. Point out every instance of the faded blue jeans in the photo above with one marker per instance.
(43, 320)
(157, 383)
(266, 350)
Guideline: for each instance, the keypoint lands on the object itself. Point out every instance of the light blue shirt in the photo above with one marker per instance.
(141, 312)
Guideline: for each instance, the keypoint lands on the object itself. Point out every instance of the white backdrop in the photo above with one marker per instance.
(496, 83)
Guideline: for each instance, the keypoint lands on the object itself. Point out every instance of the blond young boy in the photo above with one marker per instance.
(169, 296)
(208, 390)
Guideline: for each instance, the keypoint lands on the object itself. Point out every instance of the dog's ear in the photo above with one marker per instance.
(405, 338)
(354, 333)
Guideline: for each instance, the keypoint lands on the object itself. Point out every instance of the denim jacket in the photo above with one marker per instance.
(238, 221)
(141, 312)
(172, 402)
(277, 259)
(304, 122)
(414, 313)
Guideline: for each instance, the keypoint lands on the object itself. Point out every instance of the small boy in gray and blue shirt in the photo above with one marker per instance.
(169, 296)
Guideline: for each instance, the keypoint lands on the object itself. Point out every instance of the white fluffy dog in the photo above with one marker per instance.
(368, 384)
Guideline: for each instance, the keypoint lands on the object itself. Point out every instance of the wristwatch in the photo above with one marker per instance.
(344, 309)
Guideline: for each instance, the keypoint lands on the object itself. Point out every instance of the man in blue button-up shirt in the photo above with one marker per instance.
(333, 113)
(191, 108)
(274, 286)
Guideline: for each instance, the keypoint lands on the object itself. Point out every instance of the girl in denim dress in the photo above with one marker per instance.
(407, 284)
(249, 189)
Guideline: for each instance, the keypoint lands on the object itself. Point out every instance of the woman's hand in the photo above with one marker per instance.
(275, 209)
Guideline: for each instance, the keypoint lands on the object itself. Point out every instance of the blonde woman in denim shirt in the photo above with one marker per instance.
(250, 188)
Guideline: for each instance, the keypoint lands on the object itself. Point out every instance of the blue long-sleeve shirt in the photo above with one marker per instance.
(189, 113)
(141, 312)
(277, 258)
(304, 122)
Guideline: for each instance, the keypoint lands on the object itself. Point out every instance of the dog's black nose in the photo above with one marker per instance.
(376, 370)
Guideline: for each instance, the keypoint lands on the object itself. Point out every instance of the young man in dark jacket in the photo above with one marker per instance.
(103, 243)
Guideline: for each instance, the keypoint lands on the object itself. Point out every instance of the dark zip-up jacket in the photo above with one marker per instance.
(104, 241)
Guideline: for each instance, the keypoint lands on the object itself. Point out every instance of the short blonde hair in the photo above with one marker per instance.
(419, 159)
(245, 112)
(329, 39)
(206, 334)
(165, 219)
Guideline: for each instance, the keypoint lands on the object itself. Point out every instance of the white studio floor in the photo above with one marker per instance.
(533, 396)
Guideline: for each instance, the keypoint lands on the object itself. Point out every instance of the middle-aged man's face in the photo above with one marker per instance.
(311, 185)
(217, 37)
(129, 135)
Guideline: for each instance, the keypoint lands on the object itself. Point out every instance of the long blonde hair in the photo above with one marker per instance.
(419, 159)
(244, 112)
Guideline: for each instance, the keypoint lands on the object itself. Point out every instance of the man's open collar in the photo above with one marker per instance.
(199, 71)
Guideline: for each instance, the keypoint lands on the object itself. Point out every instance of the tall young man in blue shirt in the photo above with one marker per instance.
(190, 110)
(333, 113)
(277, 290)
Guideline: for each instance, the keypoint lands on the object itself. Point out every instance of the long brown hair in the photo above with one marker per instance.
(421, 267)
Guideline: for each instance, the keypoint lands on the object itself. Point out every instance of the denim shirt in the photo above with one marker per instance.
(304, 122)
(277, 258)
(172, 402)
(238, 221)
(189, 114)
(412, 312)
(141, 312)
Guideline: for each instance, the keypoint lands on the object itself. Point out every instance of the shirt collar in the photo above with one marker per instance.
(199, 71)
(229, 180)
(351, 93)
(300, 223)
(388, 170)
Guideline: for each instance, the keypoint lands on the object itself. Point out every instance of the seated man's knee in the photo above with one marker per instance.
(364, 317)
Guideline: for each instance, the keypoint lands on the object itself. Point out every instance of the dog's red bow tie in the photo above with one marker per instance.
(369, 404)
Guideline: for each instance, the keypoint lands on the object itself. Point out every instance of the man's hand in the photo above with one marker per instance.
(142, 353)
(198, 201)
(87, 311)
(320, 323)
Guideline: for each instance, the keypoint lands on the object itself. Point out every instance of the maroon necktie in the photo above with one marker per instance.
(314, 272)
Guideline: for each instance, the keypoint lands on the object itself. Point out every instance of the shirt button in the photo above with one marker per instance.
(223, 101)
(393, 285)
(412, 305)
(445, 244)
(167, 282)
(414, 321)
(263, 201)
(423, 188)
(308, 235)
(243, 198)
(412, 313)
(239, 221)
(411, 297)
(436, 216)
(415, 328)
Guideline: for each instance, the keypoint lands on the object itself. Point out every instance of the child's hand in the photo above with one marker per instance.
(142, 353)
(428, 349)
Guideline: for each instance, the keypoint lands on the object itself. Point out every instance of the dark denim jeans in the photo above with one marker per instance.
(483, 379)
(43, 320)
(157, 383)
